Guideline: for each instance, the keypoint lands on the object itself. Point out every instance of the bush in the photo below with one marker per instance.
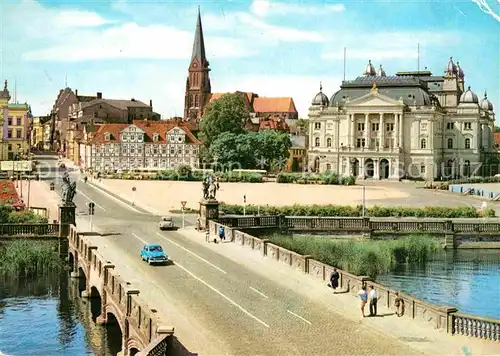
(356, 211)
(308, 178)
(367, 257)
(473, 180)
(9, 216)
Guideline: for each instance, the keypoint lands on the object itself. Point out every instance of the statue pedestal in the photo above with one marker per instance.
(209, 210)
(67, 216)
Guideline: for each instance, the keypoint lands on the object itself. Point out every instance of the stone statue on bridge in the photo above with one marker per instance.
(210, 187)
(68, 190)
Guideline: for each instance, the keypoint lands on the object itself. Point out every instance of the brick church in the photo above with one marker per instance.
(265, 112)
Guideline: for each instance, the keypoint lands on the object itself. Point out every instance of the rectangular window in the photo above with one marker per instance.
(317, 125)
(10, 120)
(19, 121)
(361, 126)
(19, 133)
(360, 142)
(450, 125)
(10, 147)
(155, 150)
(9, 134)
(139, 150)
(132, 150)
(389, 127)
(172, 152)
(375, 126)
(467, 125)
(422, 169)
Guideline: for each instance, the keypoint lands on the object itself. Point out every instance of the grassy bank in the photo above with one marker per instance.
(357, 211)
(361, 257)
(28, 258)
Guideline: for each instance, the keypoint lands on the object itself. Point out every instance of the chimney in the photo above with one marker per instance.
(76, 92)
(99, 95)
(150, 102)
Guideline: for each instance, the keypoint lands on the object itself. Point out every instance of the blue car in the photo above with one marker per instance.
(153, 253)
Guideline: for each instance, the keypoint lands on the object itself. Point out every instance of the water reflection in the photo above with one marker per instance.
(46, 316)
(467, 279)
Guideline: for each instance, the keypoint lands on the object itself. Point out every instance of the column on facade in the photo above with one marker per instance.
(382, 131)
(396, 131)
(349, 124)
(361, 166)
(431, 135)
(400, 127)
(353, 129)
(479, 132)
(484, 135)
(367, 130)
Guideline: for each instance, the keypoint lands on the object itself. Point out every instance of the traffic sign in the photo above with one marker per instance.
(134, 189)
(183, 204)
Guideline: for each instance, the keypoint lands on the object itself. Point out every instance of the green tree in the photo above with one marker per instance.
(497, 129)
(272, 149)
(303, 126)
(233, 151)
(226, 114)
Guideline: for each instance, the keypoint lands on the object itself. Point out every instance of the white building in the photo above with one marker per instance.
(147, 145)
(412, 124)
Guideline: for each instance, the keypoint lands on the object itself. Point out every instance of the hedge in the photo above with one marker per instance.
(174, 175)
(308, 178)
(356, 211)
(473, 180)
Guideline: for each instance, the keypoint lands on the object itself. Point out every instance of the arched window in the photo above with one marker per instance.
(467, 143)
(450, 143)
(328, 142)
(107, 136)
(316, 142)
(423, 143)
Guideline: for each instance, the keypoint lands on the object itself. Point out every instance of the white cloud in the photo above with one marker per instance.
(266, 8)
(133, 41)
(73, 18)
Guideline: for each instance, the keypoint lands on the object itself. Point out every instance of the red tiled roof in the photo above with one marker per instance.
(273, 123)
(274, 105)
(149, 127)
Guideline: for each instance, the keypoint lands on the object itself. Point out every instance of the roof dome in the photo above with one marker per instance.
(486, 104)
(469, 97)
(460, 72)
(370, 69)
(320, 98)
(451, 68)
(381, 72)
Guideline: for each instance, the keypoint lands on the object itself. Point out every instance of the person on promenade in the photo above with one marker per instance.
(334, 280)
(399, 304)
(222, 236)
(373, 301)
(363, 295)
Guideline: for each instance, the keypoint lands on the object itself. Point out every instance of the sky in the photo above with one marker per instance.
(141, 49)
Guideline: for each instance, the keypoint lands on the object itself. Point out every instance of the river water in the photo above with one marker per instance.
(46, 317)
(466, 279)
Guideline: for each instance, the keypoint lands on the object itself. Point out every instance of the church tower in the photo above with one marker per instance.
(198, 87)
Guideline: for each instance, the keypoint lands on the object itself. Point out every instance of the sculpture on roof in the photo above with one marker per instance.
(374, 88)
(5, 85)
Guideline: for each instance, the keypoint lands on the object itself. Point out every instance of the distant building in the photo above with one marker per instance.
(15, 120)
(147, 145)
(37, 132)
(297, 159)
(198, 92)
(412, 124)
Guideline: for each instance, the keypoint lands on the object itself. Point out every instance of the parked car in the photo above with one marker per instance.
(153, 253)
(166, 223)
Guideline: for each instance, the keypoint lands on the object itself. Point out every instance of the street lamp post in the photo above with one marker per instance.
(91, 213)
(183, 203)
(244, 205)
(134, 189)
(29, 190)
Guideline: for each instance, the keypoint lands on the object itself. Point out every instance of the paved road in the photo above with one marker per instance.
(249, 314)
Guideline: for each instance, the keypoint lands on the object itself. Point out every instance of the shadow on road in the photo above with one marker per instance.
(175, 348)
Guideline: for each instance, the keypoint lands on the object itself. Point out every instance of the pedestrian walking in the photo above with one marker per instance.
(222, 236)
(363, 295)
(334, 280)
(373, 301)
(399, 304)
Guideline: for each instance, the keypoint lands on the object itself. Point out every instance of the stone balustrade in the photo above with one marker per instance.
(144, 331)
(445, 318)
(39, 231)
(457, 233)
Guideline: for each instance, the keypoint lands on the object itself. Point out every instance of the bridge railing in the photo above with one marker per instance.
(359, 224)
(441, 317)
(29, 230)
(144, 320)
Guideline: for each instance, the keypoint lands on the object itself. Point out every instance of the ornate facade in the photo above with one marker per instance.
(142, 145)
(411, 125)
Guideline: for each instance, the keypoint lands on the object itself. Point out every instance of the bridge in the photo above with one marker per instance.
(143, 331)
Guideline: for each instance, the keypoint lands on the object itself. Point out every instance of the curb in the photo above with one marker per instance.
(136, 206)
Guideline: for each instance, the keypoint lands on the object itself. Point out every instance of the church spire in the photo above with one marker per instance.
(199, 43)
